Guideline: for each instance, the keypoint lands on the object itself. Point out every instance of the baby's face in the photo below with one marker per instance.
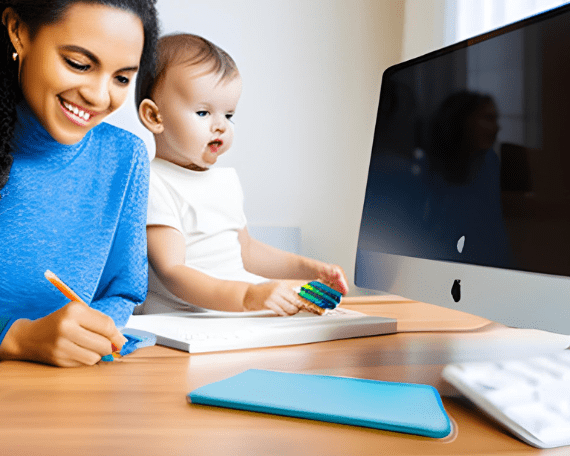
(196, 110)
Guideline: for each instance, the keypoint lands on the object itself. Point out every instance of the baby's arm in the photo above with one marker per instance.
(267, 261)
(166, 253)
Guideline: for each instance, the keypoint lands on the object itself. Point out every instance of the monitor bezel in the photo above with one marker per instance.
(512, 297)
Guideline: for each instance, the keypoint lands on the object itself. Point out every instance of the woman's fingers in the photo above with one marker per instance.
(92, 341)
(98, 324)
(71, 336)
(67, 353)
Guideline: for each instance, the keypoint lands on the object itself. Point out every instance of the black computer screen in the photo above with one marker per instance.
(471, 153)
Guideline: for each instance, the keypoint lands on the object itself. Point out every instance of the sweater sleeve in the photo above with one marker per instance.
(124, 280)
(5, 324)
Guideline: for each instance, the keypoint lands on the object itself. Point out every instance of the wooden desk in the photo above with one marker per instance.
(137, 405)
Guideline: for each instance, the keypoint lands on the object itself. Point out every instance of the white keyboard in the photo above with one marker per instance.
(529, 396)
(197, 334)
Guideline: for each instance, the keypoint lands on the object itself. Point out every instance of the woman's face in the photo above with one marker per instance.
(482, 127)
(76, 72)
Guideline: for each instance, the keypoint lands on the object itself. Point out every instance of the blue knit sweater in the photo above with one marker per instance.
(78, 210)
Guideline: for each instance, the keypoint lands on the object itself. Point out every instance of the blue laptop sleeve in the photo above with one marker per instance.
(401, 407)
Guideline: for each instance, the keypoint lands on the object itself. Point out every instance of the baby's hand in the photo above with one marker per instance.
(334, 277)
(274, 295)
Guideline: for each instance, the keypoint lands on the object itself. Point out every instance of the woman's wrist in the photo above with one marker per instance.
(11, 346)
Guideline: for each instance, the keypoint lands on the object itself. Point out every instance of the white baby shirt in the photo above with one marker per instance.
(207, 208)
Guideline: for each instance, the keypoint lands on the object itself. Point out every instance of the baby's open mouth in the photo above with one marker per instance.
(215, 145)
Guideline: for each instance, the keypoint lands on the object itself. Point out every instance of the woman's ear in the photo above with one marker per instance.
(150, 116)
(17, 30)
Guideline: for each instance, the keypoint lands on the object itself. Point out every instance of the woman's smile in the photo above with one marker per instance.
(77, 114)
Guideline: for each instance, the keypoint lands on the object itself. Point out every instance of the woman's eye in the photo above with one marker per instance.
(202, 113)
(123, 80)
(76, 65)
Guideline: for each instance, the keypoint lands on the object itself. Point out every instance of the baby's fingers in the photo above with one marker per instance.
(335, 277)
(285, 302)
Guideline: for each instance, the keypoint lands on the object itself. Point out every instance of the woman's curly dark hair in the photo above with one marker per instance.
(449, 158)
(35, 14)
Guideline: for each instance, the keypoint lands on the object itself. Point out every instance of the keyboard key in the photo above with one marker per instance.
(525, 371)
(563, 358)
(557, 397)
(512, 395)
(535, 417)
(493, 379)
(550, 366)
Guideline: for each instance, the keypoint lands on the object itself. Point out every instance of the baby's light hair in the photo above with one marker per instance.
(191, 50)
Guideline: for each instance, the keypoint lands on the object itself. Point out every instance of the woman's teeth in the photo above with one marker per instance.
(75, 110)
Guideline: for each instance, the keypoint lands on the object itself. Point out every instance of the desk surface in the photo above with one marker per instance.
(137, 405)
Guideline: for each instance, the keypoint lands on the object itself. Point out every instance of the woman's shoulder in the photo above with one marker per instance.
(116, 138)
(118, 141)
(111, 133)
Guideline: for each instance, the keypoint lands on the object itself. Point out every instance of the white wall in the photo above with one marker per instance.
(311, 71)
(427, 26)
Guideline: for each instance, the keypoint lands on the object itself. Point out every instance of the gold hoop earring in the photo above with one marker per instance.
(15, 56)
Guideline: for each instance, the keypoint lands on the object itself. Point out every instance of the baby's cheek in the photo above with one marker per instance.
(228, 142)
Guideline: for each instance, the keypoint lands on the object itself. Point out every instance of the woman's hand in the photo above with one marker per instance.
(334, 277)
(275, 295)
(74, 335)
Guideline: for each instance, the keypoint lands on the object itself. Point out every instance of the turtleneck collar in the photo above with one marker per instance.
(31, 138)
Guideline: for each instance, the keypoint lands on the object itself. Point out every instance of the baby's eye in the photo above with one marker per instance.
(76, 65)
(229, 117)
(202, 113)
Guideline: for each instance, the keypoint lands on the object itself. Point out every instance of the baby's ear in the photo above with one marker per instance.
(150, 116)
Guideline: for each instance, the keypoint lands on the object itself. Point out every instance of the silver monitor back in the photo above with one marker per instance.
(468, 197)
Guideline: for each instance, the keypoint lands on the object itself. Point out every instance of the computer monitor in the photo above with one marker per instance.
(467, 202)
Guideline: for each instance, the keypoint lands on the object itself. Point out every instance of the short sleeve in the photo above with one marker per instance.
(162, 205)
(239, 190)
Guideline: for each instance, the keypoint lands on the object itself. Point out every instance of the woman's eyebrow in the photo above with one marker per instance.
(91, 56)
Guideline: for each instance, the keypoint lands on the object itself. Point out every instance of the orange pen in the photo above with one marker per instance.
(67, 292)
(61, 286)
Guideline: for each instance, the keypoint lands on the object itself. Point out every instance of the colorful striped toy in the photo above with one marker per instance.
(317, 297)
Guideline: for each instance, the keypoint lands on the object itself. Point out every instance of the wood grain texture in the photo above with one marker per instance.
(137, 405)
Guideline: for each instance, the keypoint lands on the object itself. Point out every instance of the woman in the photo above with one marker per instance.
(464, 183)
(73, 189)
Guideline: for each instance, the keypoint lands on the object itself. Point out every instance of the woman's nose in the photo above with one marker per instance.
(96, 93)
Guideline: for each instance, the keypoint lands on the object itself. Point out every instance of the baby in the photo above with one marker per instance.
(199, 250)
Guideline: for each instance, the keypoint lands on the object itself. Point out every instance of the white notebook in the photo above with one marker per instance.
(220, 331)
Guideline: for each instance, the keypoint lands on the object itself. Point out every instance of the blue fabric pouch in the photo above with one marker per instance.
(400, 407)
